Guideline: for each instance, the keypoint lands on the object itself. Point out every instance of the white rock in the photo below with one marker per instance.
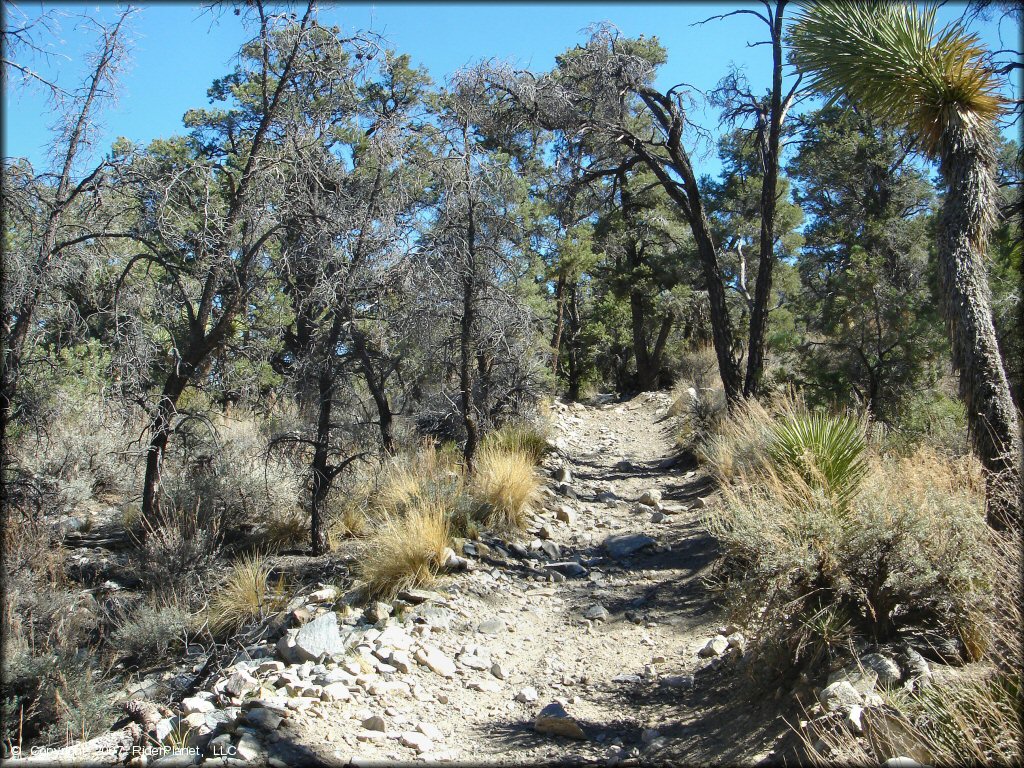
(714, 647)
(195, 704)
(430, 730)
(432, 658)
(527, 694)
(400, 660)
(853, 721)
(566, 514)
(417, 741)
(335, 692)
(650, 497)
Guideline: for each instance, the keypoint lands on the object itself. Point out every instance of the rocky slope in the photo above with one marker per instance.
(584, 640)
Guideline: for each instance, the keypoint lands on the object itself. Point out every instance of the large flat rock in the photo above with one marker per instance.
(627, 544)
(319, 637)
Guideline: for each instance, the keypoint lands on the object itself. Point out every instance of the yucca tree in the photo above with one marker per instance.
(886, 58)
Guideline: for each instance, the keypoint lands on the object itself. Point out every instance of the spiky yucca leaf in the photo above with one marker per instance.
(886, 57)
(826, 451)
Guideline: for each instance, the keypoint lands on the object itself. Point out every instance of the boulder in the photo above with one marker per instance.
(626, 545)
(887, 670)
(554, 720)
(320, 637)
(840, 697)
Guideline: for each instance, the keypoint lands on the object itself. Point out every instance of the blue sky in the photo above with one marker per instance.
(178, 49)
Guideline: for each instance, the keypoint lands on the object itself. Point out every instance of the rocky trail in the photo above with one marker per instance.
(579, 642)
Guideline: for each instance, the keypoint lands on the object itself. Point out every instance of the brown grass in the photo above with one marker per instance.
(503, 483)
(405, 550)
(245, 596)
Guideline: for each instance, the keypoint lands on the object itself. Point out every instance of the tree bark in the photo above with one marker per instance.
(556, 339)
(968, 165)
(160, 432)
(769, 193)
(377, 386)
(468, 319)
(320, 483)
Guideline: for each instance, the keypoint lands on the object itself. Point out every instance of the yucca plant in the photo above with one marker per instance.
(887, 58)
(826, 451)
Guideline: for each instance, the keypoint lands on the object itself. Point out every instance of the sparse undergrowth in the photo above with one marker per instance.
(831, 542)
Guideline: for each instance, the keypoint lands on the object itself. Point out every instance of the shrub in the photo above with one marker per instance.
(245, 596)
(151, 631)
(502, 485)
(49, 696)
(906, 550)
(179, 548)
(826, 451)
(405, 550)
(970, 716)
(230, 476)
(520, 437)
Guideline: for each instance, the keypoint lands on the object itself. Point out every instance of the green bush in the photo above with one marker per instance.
(826, 451)
(805, 570)
(48, 696)
(149, 632)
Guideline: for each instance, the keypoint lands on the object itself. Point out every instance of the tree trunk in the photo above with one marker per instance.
(769, 192)
(466, 372)
(321, 477)
(376, 384)
(468, 319)
(646, 372)
(159, 434)
(556, 339)
(575, 367)
(968, 166)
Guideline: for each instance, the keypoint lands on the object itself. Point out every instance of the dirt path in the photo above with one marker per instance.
(609, 627)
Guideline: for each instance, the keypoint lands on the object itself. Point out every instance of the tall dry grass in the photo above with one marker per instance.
(405, 550)
(247, 595)
(503, 484)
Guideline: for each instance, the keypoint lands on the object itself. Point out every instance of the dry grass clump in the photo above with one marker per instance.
(738, 447)
(523, 437)
(503, 483)
(284, 529)
(405, 550)
(425, 476)
(245, 596)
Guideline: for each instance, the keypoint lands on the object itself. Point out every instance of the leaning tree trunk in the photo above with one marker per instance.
(159, 434)
(968, 166)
